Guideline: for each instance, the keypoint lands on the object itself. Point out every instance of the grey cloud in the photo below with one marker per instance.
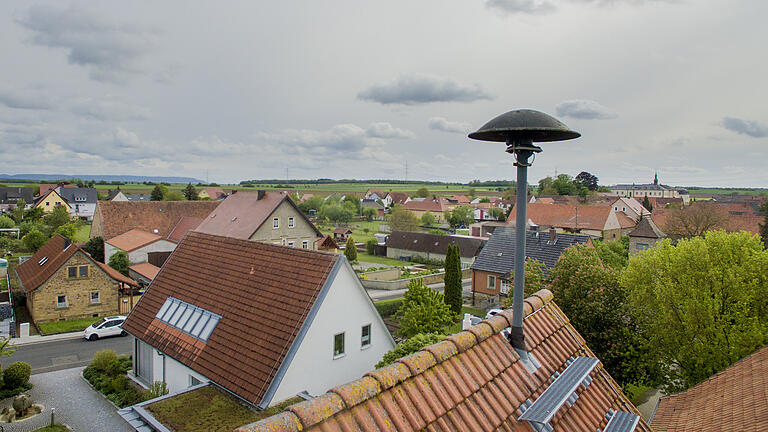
(385, 130)
(522, 6)
(745, 127)
(110, 51)
(415, 89)
(584, 109)
(443, 125)
(109, 110)
(27, 100)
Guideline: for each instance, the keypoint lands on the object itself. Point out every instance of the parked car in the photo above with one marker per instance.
(107, 326)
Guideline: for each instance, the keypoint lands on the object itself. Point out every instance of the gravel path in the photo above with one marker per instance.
(77, 404)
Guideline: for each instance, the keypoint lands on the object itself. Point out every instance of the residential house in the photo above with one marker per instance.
(263, 322)
(137, 244)
(50, 200)
(393, 198)
(486, 228)
(375, 194)
(82, 201)
(62, 282)
(475, 381)
(645, 235)
(597, 221)
(9, 196)
(213, 193)
(143, 273)
(435, 206)
(116, 195)
(327, 244)
(630, 207)
(733, 400)
(138, 197)
(45, 187)
(261, 216)
(651, 190)
(113, 218)
(493, 270)
(406, 245)
(341, 234)
(369, 203)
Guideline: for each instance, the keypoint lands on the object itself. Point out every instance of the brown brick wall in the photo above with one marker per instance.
(42, 302)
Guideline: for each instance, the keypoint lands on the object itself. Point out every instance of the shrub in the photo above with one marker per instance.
(118, 383)
(157, 389)
(388, 308)
(410, 346)
(104, 359)
(16, 375)
(370, 246)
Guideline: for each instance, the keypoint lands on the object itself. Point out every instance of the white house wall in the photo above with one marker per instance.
(346, 308)
(175, 374)
(139, 255)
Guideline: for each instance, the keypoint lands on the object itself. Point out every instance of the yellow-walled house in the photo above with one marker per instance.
(50, 201)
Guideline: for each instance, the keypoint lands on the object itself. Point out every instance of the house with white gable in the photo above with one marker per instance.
(263, 322)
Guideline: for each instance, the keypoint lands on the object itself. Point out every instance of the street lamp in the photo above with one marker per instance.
(520, 129)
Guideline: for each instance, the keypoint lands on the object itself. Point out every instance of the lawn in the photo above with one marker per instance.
(82, 234)
(456, 327)
(208, 409)
(364, 257)
(55, 428)
(66, 326)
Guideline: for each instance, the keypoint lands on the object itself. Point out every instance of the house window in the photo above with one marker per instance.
(491, 281)
(72, 272)
(95, 297)
(642, 246)
(275, 223)
(290, 243)
(338, 345)
(291, 223)
(504, 286)
(193, 381)
(83, 271)
(61, 301)
(305, 244)
(47, 203)
(365, 338)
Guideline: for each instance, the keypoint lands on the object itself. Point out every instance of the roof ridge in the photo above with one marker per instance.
(306, 414)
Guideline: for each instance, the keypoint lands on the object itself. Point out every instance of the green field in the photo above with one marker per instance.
(718, 191)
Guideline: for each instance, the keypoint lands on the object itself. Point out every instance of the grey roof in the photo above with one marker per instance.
(112, 194)
(498, 255)
(371, 203)
(79, 195)
(9, 195)
(433, 243)
(138, 197)
(647, 229)
(649, 186)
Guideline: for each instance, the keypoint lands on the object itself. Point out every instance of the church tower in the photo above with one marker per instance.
(656, 178)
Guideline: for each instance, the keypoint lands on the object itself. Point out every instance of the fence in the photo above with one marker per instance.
(128, 302)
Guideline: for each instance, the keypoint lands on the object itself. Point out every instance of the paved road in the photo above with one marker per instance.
(65, 354)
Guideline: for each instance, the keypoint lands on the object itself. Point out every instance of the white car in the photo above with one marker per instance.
(107, 326)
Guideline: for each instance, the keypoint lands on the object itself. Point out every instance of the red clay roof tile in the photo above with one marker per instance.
(117, 217)
(133, 239)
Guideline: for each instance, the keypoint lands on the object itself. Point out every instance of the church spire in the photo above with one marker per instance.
(656, 178)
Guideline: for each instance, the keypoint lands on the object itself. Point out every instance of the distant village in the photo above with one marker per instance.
(287, 302)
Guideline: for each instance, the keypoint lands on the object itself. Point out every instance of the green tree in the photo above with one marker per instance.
(311, 203)
(647, 204)
(67, 230)
(58, 217)
(497, 214)
(410, 346)
(18, 212)
(453, 286)
(6, 222)
(174, 195)
(702, 303)
(427, 219)
(422, 192)
(158, 193)
(190, 193)
(534, 280)
(119, 261)
(485, 200)
(590, 294)
(33, 214)
(613, 253)
(355, 203)
(95, 248)
(764, 225)
(350, 251)
(402, 220)
(336, 212)
(423, 310)
(369, 213)
(34, 240)
(586, 180)
(370, 246)
(460, 216)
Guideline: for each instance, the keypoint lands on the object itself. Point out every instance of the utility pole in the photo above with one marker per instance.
(406, 170)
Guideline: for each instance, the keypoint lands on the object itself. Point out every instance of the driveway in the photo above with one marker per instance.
(77, 404)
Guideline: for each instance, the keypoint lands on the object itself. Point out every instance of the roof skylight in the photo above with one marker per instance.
(188, 318)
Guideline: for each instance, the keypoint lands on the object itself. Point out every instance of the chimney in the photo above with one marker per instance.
(260, 194)
(234, 191)
(466, 322)
(552, 235)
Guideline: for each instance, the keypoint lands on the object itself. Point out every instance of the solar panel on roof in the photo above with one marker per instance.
(546, 405)
(622, 421)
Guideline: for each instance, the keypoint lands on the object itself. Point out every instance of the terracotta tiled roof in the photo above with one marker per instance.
(262, 292)
(215, 193)
(745, 222)
(118, 217)
(646, 228)
(624, 220)
(45, 187)
(545, 201)
(133, 239)
(566, 216)
(186, 223)
(472, 381)
(399, 197)
(241, 214)
(146, 269)
(660, 215)
(56, 252)
(735, 399)
(327, 243)
(432, 205)
(342, 231)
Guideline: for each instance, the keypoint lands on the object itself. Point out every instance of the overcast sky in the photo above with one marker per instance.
(354, 89)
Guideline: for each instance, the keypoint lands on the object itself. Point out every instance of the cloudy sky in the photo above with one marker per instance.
(357, 89)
